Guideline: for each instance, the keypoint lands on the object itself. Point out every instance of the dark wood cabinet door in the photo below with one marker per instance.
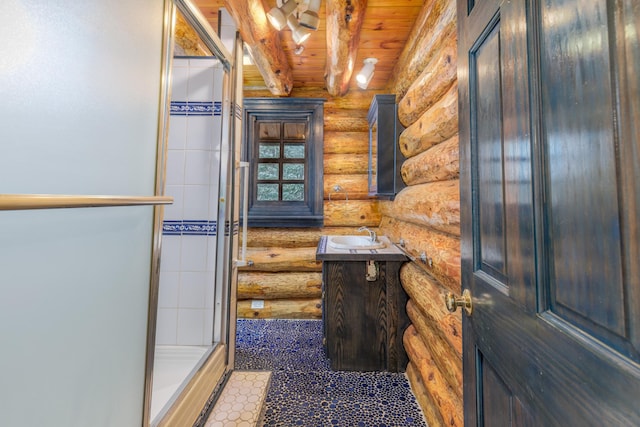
(355, 318)
(550, 192)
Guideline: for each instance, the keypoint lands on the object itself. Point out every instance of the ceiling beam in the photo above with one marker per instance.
(264, 43)
(187, 40)
(344, 22)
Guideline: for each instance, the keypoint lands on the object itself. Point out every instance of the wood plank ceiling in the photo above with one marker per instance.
(385, 28)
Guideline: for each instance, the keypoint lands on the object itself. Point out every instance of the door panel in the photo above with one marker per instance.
(549, 214)
(496, 396)
(499, 404)
(487, 147)
(579, 140)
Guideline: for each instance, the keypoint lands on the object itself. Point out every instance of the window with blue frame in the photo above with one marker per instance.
(284, 139)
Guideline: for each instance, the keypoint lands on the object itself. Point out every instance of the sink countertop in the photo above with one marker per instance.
(389, 253)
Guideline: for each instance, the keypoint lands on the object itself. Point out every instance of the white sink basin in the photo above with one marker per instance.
(354, 242)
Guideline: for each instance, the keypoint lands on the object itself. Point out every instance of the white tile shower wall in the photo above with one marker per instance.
(187, 279)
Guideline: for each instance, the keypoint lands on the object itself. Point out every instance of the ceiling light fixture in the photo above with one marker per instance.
(366, 74)
(309, 18)
(278, 15)
(299, 33)
(301, 16)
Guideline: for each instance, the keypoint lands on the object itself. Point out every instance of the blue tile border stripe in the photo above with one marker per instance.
(193, 108)
(189, 228)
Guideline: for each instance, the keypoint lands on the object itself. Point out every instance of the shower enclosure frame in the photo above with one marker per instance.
(218, 360)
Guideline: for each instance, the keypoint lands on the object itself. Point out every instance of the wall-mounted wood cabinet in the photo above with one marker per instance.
(385, 157)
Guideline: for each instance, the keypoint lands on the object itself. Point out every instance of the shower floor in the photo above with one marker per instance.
(305, 392)
(172, 365)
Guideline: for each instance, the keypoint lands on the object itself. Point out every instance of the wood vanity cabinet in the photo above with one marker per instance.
(363, 320)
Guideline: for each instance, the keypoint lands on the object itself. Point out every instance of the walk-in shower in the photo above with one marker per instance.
(193, 292)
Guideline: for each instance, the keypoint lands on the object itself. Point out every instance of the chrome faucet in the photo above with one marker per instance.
(372, 234)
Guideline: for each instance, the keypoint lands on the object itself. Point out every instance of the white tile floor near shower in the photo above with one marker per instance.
(241, 402)
(172, 364)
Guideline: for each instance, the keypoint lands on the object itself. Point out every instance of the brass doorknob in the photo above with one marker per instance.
(464, 301)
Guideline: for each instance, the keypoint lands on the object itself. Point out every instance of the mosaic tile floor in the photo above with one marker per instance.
(241, 401)
(305, 392)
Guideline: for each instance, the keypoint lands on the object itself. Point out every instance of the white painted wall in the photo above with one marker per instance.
(79, 94)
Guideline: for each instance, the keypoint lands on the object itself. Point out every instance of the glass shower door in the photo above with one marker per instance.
(191, 349)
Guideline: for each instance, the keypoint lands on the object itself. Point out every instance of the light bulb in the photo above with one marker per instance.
(278, 15)
(366, 73)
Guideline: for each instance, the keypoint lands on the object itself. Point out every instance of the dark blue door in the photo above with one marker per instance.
(550, 191)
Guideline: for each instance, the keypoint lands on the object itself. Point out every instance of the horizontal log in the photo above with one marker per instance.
(351, 213)
(442, 251)
(445, 356)
(353, 187)
(434, 204)
(279, 285)
(431, 85)
(361, 113)
(448, 403)
(418, 31)
(346, 142)
(357, 100)
(437, 124)
(346, 163)
(428, 296)
(282, 309)
(282, 237)
(292, 237)
(282, 259)
(439, 163)
(440, 26)
(346, 120)
(429, 410)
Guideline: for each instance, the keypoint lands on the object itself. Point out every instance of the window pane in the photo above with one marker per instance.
(293, 171)
(269, 151)
(294, 151)
(267, 171)
(295, 130)
(292, 192)
(267, 192)
(269, 130)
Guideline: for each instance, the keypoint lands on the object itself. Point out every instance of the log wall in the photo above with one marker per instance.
(284, 274)
(425, 215)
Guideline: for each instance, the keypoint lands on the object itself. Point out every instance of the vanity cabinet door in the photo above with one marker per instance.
(355, 316)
